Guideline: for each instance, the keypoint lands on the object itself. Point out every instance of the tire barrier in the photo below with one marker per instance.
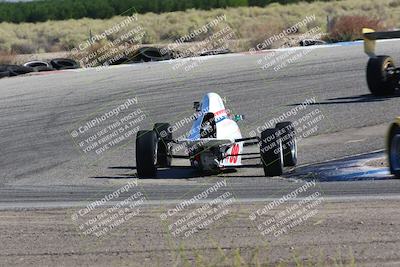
(215, 52)
(13, 70)
(64, 64)
(309, 42)
(143, 54)
(149, 54)
(38, 65)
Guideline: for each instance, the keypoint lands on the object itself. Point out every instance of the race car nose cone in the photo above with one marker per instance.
(212, 102)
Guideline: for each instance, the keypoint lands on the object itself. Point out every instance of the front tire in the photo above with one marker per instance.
(164, 136)
(379, 83)
(289, 144)
(394, 151)
(271, 152)
(146, 153)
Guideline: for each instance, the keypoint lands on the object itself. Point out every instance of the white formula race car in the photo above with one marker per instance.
(215, 143)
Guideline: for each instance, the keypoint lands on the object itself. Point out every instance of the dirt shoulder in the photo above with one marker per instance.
(360, 233)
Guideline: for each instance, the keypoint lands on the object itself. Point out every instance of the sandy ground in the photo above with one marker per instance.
(360, 233)
(380, 162)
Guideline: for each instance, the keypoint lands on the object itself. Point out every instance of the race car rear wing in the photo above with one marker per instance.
(370, 37)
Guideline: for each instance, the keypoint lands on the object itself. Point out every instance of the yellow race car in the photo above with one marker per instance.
(393, 147)
(383, 79)
(382, 76)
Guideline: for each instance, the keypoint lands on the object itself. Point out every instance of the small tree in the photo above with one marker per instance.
(349, 28)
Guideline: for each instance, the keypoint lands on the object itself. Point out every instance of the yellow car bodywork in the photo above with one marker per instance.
(370, 36)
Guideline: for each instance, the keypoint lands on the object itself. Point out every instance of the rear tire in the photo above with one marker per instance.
(289, 144)
(164, 136)
(394, 151)
(146, 153)
(271, 152)
(377, 78)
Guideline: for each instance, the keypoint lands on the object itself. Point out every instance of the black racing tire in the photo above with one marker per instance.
(38, 65)
(64, 64)
(394, 150)
(15, 70)
(164, 154)
(153, 54)
(377, 78)
(289, 143)
(19, 70)
(271, 152)
(42, 68)
(146, 154)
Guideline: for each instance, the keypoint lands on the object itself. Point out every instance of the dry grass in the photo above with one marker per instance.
(259, 257)
(249, 23)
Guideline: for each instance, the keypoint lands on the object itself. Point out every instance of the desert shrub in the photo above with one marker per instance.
(23, 48)
(349, 28)
(250, 24)
(259, 33)
(7, 58)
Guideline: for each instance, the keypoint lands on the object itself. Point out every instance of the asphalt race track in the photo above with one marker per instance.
(41, 164)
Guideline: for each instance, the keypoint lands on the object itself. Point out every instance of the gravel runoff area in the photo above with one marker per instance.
(363, 232)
